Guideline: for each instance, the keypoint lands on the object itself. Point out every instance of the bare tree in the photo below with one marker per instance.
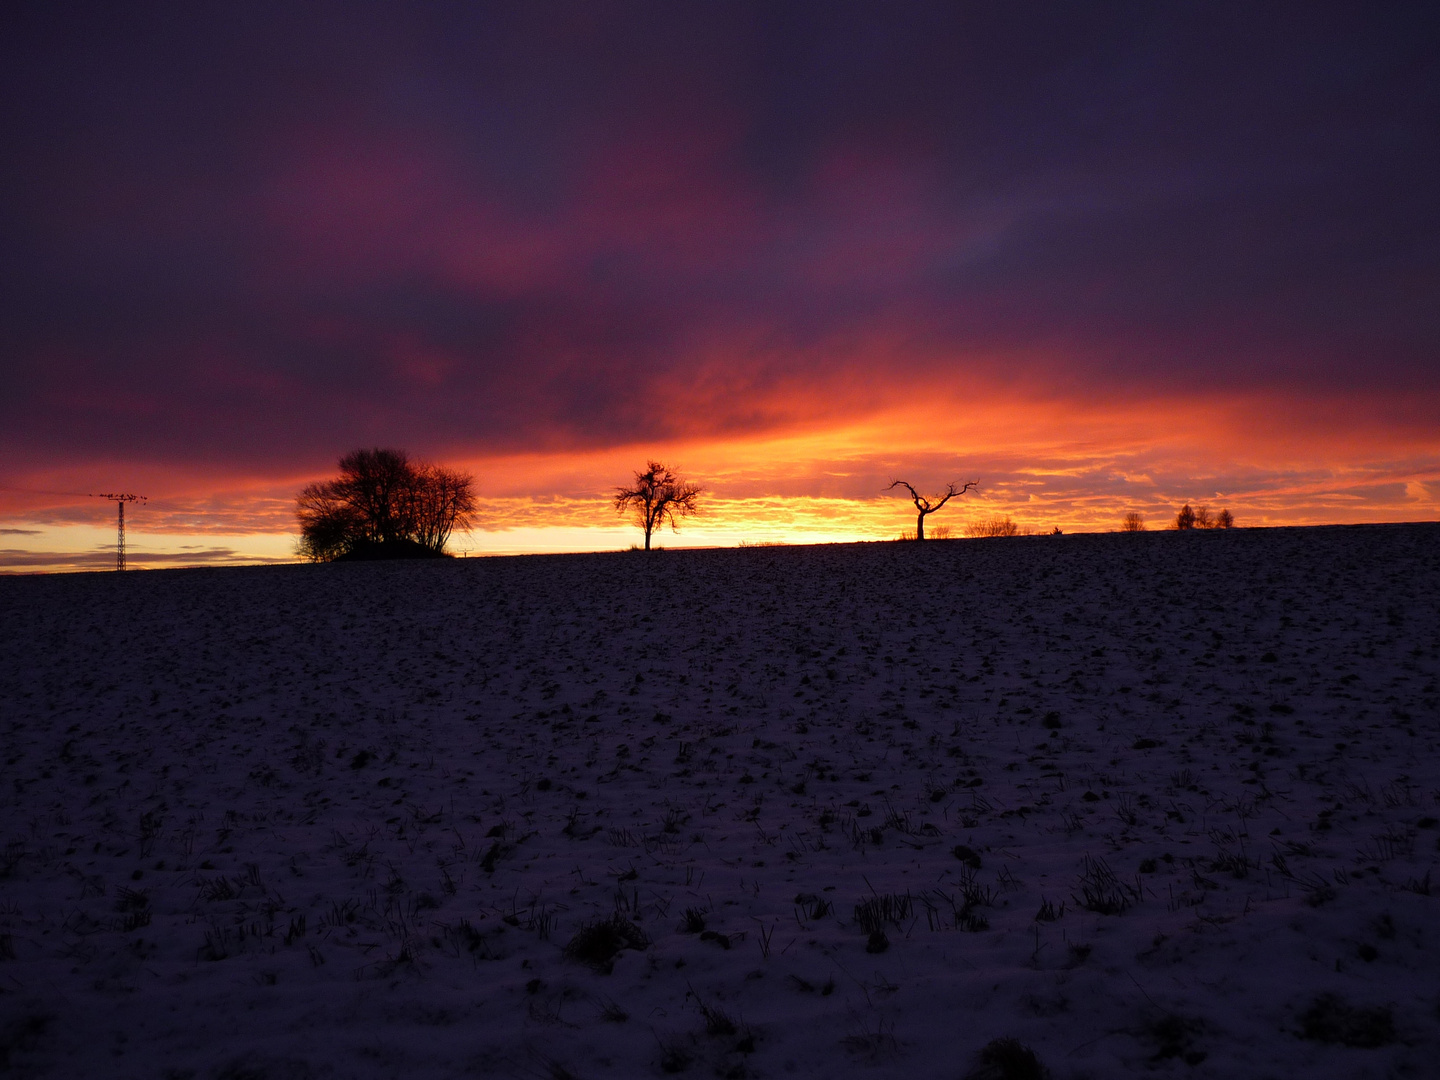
(658, 497)
(929, 505)
(377, 486)
(1185, 519)
(1133, 522)
(328, 524)
(383, 505)
(440, 501)
(1225, 520)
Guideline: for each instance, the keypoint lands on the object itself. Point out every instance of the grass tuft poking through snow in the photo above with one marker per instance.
(598, 943)
(1009, 1059)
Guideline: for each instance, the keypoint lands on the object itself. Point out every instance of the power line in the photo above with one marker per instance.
(43, 491)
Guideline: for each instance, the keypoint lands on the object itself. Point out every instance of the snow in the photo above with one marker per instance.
(343, 820)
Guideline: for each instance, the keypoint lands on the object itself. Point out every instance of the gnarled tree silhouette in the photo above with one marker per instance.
(383, 505)
(929, 505)
(658, 497)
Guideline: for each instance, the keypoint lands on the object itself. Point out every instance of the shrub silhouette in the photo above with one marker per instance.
(383, 506)
(995, 526)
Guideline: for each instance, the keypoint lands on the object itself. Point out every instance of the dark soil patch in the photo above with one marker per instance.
(1331, 1020)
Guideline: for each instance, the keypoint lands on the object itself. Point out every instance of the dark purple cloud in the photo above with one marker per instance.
(253, 235)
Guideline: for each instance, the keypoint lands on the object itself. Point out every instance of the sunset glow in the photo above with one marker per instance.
(794, 256)
(1045, 464)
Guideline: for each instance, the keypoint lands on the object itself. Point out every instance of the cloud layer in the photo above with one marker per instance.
(237, 241)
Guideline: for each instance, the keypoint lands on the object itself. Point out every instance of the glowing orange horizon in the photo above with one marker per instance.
(1044, 463)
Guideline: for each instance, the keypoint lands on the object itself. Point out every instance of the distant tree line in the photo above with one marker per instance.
(1200, 518)
(383, 506)
(1185, 518)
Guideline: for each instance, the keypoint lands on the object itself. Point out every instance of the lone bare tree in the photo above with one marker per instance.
(658, 497)
(1134, 522)
(928, 505)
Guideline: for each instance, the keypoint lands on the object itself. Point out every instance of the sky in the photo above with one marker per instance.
(1098, 257)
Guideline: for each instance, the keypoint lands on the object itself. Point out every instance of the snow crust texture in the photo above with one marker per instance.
(1159, 804)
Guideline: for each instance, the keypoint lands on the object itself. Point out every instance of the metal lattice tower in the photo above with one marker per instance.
(120, 501)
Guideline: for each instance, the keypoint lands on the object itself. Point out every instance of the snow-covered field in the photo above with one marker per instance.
(1161, 803)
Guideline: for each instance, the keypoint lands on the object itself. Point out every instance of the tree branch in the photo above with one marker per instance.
(950, 492)
(913, 494)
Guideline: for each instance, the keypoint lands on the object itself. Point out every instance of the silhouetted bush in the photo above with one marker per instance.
(995, 526)
(383, 506)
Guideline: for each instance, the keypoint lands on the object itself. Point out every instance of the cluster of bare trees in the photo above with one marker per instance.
(383, 505)
(1201, 518)
(1185, 518)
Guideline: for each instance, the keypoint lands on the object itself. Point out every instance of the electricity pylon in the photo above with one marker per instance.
(120, 501)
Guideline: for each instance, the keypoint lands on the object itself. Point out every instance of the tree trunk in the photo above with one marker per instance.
(920, 526)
